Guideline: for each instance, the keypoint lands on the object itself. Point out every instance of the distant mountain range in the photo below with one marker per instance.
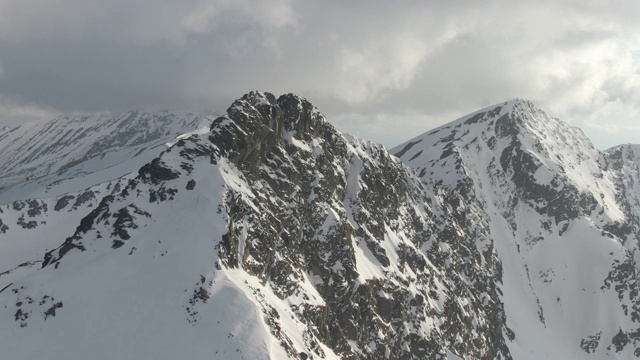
(44, 158)
(267, 234)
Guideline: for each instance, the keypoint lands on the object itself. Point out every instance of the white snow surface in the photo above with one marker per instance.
(37, 226)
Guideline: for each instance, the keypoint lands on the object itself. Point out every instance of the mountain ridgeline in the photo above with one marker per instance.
(563, 216)
(268, 235)
(46, 159)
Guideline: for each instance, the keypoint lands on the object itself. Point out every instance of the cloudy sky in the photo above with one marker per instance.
(383, 70)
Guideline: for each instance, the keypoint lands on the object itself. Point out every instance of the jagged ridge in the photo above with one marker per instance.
(338, 245)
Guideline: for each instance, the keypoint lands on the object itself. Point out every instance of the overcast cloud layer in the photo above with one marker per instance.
(381, 70)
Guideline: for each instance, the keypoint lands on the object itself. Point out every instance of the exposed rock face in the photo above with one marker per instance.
(327, 208)
(624, 162)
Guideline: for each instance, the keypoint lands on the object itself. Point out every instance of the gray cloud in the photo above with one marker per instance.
(381, 70)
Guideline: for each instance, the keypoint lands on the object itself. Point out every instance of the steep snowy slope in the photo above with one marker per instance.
(563, 217)
(47, 159)
(30, 228)
(272, 236)
(54, 172)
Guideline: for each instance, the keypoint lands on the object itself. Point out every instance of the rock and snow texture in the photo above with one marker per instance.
(30, 228)
(67, 154)
(564, 220)
(269, 235)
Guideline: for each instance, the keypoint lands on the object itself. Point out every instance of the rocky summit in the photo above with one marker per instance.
(267, 234)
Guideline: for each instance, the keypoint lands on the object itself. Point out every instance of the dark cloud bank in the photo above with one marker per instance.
(381, 70)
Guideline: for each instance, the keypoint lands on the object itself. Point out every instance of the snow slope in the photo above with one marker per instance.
(30, 228)
(562, 222)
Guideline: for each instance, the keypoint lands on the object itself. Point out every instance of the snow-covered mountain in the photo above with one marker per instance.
(67, 154)
(564, 220)
(270, 235)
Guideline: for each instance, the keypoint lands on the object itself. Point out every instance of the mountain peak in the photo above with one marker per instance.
(288, 112)
(258, 121)
(256, 98)
(543, 157)
(519, 102)
(266, 104)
